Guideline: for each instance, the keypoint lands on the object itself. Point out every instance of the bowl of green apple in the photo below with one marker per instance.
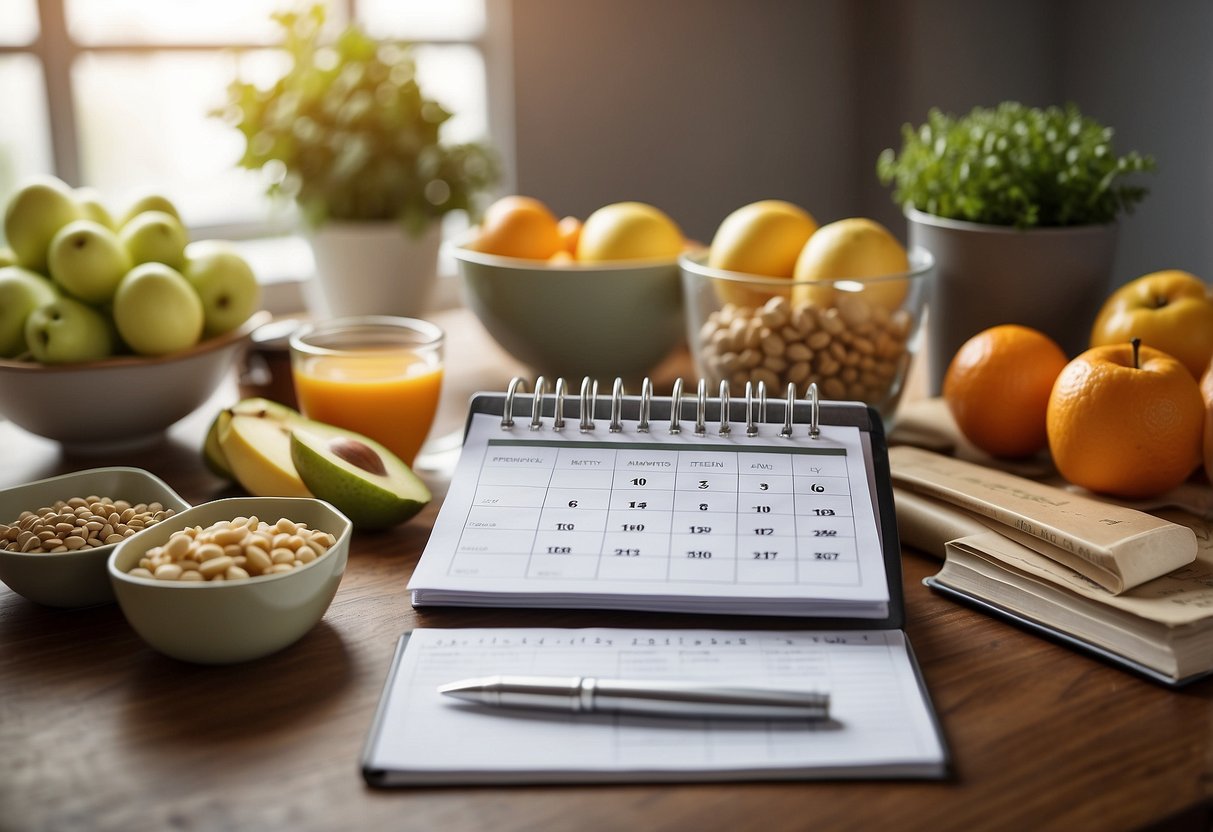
(113, 329)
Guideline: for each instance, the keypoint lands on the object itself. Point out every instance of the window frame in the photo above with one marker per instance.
(56, 51)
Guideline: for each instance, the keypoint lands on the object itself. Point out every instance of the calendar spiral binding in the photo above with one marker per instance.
(754, 395)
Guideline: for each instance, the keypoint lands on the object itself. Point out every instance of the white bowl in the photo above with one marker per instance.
(121, 401)
(231, 621)
(74, 579)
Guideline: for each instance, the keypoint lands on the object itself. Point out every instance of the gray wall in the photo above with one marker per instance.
(700, 107)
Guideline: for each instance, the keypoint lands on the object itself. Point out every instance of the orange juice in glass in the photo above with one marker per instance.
(378, 376)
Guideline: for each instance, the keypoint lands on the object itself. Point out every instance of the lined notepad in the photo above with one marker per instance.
(881, 722)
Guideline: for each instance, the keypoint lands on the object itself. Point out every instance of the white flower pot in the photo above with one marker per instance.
(372, 268)
(1051, 279)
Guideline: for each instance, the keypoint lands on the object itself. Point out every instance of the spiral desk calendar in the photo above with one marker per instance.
(722, 503)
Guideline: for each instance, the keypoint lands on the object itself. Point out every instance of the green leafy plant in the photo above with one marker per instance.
(348, 133)
(1013, 165)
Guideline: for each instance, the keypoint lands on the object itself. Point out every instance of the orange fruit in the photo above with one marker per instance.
(570, 232)
(519, 226)
(1124, 424)
(997, 388)
(1206, 392)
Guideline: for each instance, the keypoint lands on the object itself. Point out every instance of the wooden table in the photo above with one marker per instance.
(99, 732)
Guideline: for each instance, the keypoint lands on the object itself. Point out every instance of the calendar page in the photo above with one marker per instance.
(656, 520)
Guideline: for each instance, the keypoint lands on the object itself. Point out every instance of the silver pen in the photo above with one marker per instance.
(585, 694)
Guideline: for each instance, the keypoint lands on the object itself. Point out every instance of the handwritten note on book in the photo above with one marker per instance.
(881, 722)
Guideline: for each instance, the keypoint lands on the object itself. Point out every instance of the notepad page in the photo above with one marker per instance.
(661, 514)
(880, 722)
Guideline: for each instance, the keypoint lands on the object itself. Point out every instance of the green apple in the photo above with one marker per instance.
(90, 203)
(21, 292)
(156, 311)
(35, 213)
(87, 260)
(66, 331)
(212, 451)
(155, 237)
(225, 283)
(7, 257)
(363, 479)
(151, 202)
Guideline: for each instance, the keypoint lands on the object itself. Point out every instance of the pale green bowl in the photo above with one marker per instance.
(74, 579)
(228, 622)
(601, 320)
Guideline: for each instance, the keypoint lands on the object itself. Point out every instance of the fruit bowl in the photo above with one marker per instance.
(233, 620)
(601, 320)
(854, 338)
(119, 402)
(76, 578)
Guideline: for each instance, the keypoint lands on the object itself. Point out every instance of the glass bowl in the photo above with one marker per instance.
(855, 337)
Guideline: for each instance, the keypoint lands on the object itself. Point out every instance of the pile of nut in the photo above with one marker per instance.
(852, 349)
(78, 523)
(234, 550)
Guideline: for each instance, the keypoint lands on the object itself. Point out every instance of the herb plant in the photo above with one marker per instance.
(1013, 165)
(349, 135)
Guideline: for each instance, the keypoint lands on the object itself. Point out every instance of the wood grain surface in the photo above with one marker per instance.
(99, 732)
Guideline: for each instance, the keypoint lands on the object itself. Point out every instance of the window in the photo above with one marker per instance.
(115, 94)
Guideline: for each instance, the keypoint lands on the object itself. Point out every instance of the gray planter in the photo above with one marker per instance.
(1051, 279)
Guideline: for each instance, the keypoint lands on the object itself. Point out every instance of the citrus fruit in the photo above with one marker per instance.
(853, 248)
(1124, 422)
(762, 238)
(997, 388)
(519, 226)
(628, 231)
(1168, 310)
(1206, 392)
(570, 233)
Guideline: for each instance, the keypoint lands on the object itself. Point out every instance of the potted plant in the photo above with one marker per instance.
(1019, 207)
(350, 136)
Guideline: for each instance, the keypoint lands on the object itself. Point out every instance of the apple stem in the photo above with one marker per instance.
(1136, 342)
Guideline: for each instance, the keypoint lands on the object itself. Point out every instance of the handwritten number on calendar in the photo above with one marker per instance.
(762, 486)
(703, 506)
(633, 527)
(825, 556)
(637, 504)
(762, 509)
(565, 527)
(572, 504)
(825, 532)
(700, 529)
(640, 481)
(703, 484)
(824, 512)
(764, 532)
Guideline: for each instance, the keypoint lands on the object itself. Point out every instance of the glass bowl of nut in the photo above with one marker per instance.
(853, 337)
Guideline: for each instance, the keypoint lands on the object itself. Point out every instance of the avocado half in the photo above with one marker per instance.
(367, 482)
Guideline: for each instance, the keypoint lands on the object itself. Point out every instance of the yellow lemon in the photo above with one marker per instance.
(762, 238)
(853, 248)
(628, 231)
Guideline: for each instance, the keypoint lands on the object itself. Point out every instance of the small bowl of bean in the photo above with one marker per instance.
(854, 337)
(232, 580)
(56, 534)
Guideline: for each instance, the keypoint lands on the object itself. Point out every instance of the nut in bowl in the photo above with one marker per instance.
(65, 565)
(238, 607)
(853, 337)
(124, 401)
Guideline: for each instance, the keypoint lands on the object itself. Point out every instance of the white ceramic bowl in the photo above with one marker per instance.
(231, 621)
(600, 320)
(74, 579)
(121, 401)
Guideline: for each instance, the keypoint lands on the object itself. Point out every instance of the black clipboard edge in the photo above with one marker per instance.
(376, 776)
(1069, 640)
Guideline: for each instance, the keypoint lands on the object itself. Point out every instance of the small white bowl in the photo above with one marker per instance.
(231, 621)
(119, 402)
(74, 579)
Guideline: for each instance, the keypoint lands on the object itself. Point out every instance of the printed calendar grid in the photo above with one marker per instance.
(538, 476)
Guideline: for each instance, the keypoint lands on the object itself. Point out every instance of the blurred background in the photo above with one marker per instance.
(695, 107)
